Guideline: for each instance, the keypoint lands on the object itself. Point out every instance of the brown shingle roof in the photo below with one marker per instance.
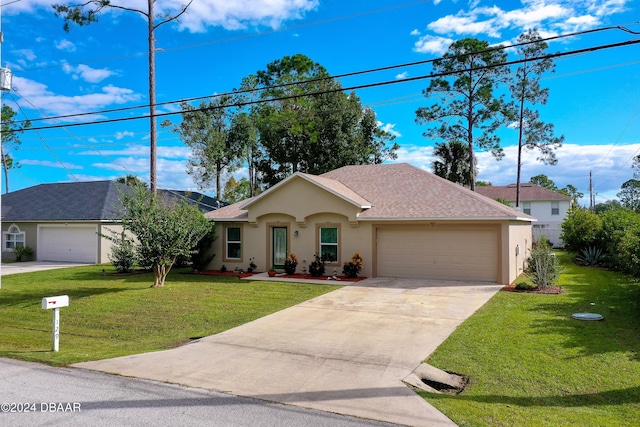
(396, 192)
(402, 191)
(528, 193)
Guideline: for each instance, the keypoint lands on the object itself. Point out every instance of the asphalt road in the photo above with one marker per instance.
(32, 394)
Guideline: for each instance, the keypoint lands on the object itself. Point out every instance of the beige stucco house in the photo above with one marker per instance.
(404, 221)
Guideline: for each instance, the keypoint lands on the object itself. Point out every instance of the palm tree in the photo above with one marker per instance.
(452, 162)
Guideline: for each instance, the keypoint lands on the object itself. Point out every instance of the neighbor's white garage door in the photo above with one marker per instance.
(455, 253)
(70, 244)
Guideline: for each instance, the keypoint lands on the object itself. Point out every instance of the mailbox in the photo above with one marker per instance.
(55, 302)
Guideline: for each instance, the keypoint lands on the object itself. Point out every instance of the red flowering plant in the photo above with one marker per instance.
(351, 268)
(290, 264)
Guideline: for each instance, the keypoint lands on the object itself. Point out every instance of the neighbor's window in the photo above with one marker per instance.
(526, 207)
(555, 208)
(12, 238)
(329, 243)
(234, 243)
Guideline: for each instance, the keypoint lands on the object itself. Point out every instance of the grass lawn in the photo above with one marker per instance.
(531, 364)
(112, 316)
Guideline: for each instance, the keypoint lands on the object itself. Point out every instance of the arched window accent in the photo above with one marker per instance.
(12, 238)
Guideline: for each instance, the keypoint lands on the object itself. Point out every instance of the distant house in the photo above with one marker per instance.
(404, 221)
(548, 207)
(62, 221)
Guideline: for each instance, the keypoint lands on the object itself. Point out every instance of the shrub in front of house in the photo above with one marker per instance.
(543, 267)
(316, 268)
(352, 268)
(122, 254)
(22, 253)
(290, 264)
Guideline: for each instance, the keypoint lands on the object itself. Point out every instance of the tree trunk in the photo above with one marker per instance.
(152, 100)
(519, 153)
(6, 169)
(160, 271)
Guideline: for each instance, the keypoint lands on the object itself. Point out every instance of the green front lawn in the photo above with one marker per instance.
(112, 316)
(531, 364)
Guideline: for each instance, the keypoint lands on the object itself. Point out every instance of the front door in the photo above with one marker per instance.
(279, 247)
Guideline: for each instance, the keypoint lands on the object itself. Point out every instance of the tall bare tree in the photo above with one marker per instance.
(464, 99)
(89, 12)
(526, 91)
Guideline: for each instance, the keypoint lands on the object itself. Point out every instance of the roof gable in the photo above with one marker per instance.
(332, 186)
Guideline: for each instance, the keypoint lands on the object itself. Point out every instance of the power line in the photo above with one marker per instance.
(343, 75)
(351, 88)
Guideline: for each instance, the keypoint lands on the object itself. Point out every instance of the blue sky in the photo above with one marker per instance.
(594, 97)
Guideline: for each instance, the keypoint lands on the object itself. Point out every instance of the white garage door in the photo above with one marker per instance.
(438, 253)
(70, 244)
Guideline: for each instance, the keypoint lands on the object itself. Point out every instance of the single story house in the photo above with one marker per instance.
(63, 221)
(404, 221)
(548, 207)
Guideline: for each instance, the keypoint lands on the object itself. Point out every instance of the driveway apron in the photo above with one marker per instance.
(345, 352)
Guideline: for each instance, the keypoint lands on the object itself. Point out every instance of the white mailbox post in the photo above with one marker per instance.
(55, 303)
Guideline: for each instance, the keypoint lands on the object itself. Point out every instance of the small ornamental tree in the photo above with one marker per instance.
(164, 229)
(543, 267)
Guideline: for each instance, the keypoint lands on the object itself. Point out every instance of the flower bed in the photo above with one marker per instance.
(310, 277)
(224, 273)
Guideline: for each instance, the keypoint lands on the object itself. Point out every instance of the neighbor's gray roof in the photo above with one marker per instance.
(398, 192)
(528, 193)
(78, 201)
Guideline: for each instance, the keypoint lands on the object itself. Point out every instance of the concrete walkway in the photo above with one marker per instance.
(30, 266)
(345, 352)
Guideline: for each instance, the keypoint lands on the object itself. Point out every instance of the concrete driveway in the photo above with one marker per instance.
(345, 352)
(29, 266)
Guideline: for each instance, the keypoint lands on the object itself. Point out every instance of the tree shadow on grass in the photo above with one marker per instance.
(615, 296)
(604, 398)
(69, 285)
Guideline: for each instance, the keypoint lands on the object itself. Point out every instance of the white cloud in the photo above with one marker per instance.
(86, 73)
(142, 152)
(389, 128)
(231, 15)
(27, 54)
(402, 75)
(240, 14)
(49, 164)
(610, 167)
(432, 44)
(51, 103)
(547, 16)
(65, 45)
(120, 135)
(415, 32)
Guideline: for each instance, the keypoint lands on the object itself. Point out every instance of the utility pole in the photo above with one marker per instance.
(591, 197)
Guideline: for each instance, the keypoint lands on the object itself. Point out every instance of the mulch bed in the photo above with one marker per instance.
(552, 290)
(224, 273)
(310, 277)
(278, 276)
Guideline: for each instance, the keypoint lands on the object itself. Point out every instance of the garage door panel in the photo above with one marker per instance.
(449, 254)
(68, 244)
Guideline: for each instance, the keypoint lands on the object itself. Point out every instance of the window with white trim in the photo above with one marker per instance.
(233, 243)
(12, 238)
(329, 244)
(526, 207)
(555, 208)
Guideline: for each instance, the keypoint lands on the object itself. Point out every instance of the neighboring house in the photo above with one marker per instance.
(404, 221)
(548, 207)
(62, 221)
